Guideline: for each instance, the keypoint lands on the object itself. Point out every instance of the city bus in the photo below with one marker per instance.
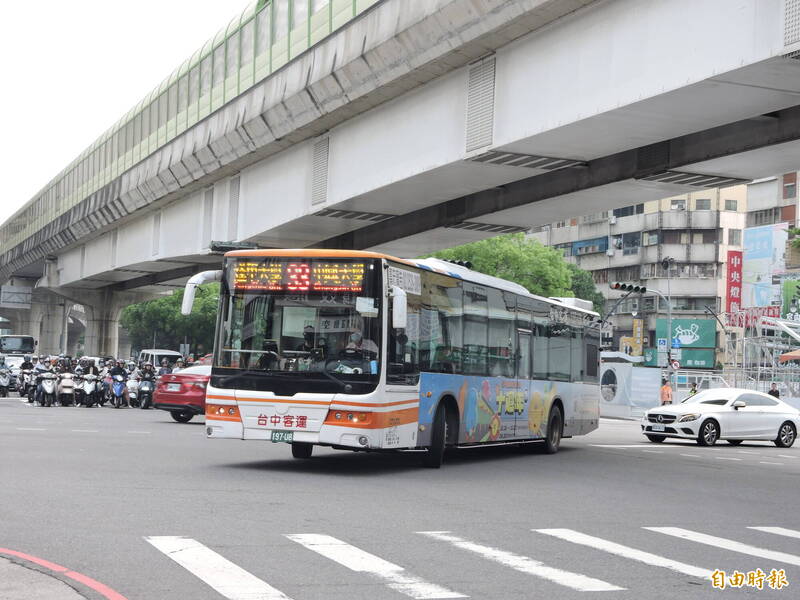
(364, 351)
(17, 344)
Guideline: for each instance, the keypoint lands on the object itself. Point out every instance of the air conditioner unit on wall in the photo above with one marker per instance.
(610, 252)
(612, 220)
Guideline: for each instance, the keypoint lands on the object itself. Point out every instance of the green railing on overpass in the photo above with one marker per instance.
(266, 36)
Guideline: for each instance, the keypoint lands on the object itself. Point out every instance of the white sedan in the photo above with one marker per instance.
(729, 414)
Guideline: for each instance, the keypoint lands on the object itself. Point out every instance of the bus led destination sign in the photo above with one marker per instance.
(299, 276)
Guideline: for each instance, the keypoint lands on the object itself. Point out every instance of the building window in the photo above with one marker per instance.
(648, 271)
(702, 204)
(735, 237)
(678, 204)
(790, 186)
(649, 238)
(731, 205)
(627, 211)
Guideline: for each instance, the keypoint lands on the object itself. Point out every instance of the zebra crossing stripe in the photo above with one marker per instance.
(358, 560)
(726, 544)
(647, 558)
(215, 570)
(779, 531)
(525, 564)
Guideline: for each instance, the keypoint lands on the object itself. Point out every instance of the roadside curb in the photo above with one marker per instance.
(27, 576)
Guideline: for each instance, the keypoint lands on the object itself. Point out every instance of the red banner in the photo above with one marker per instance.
(734, 289)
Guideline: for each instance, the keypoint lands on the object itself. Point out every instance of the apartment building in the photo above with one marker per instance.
(693, 232)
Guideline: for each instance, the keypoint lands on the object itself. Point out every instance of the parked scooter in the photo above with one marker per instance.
(66, 389)
(49, 381)
(118, 391)
(133, 391)
(146, 388)
(5, 382)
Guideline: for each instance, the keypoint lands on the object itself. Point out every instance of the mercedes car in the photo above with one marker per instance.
(729, 414)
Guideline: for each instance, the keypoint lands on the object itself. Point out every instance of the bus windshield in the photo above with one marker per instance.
(309, 318)
(18, 344)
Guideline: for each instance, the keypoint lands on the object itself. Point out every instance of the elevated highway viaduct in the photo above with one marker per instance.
(411, 126)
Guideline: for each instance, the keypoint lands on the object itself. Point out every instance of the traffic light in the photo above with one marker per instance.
(628, 287)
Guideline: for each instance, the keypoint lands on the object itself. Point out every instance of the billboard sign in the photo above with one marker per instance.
(689, 333)
(763, 260)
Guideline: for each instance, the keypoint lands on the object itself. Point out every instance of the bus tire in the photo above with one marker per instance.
(435, 453)
(302, 450)
(555, 423)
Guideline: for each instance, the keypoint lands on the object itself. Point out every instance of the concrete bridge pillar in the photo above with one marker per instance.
(52, 333)
(103, 309)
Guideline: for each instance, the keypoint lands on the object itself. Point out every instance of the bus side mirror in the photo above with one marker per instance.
(399, 308)
(191, 288)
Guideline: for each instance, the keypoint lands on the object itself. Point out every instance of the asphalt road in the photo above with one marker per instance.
(152, 509)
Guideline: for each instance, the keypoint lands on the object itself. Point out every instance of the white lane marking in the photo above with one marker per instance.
(785, 456)
(654, 451)
(779, 531)
(748, 452)
(726, 458)
(766, 462)
(726, 544)
(692, 455)
(360, 561)
(642, 445)
(31, 429)
(525, 564)
(577, 537)
(215, 570)
(85, 430)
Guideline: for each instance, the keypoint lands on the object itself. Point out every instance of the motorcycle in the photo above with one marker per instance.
(87, 391)
(25, 385)
(118, 390)
(49, 381)
(104, 383)
(133, 391)
(66, 389)
(5, 382)
(146, 389)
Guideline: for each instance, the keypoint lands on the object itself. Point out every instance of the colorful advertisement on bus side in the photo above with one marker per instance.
(496, 408)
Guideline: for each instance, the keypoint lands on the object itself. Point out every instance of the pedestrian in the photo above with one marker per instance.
(666, 392)
(773, 391)
(693, 390)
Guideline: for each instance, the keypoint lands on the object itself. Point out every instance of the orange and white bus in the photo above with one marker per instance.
(364, 351)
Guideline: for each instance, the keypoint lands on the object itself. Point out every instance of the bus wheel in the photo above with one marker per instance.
(554, 424)
(435, 454)
(301, 450)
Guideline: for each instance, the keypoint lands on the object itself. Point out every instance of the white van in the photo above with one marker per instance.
(156, 355)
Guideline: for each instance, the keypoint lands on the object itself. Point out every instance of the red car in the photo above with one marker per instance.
(183, 393)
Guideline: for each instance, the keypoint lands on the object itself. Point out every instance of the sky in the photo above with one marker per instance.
(70, 70)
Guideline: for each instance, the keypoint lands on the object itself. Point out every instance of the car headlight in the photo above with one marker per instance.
(689, 417)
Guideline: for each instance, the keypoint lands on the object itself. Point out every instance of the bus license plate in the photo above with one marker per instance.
(282, 436)
(657, 427)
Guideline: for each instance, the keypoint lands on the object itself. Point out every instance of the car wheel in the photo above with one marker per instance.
(302, 450)
(435, 454)
(709, 433)
(181, 416)
(734, 442)
(786, 435)
(555, 423)
(656, 439)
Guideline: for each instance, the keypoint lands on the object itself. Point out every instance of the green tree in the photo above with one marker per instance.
(540, 269)
(583, 287)
(162, 317)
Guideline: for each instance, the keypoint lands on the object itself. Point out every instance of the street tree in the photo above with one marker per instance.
(160, 321)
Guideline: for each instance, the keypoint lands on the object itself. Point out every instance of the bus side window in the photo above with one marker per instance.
(524, 354)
